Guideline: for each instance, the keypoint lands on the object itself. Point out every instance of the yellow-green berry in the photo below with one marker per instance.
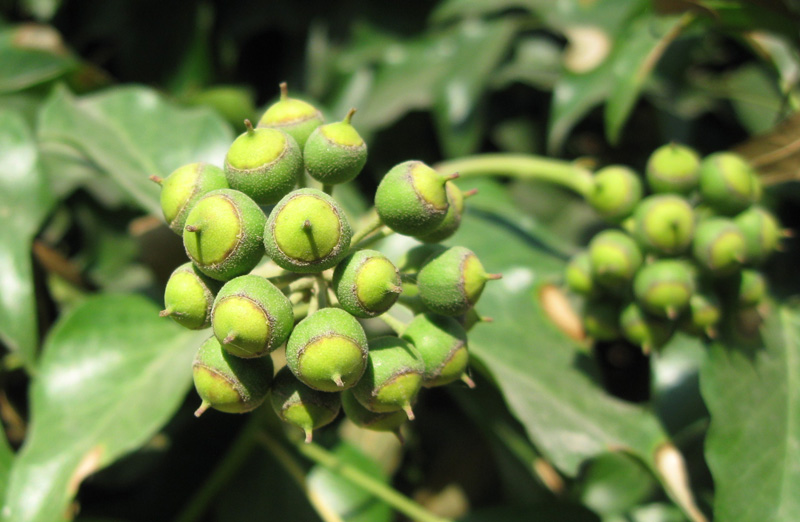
(189, 296)
(616, 190)
(442, 343)
(719, 246)
(615, 257)
(307, 231)
(370, 420)
(228, 383)
(639, 327)
(664, 287)
(673, 168)
(335, 153)
(664, 224)
(296, 118)
(578, 274)
(251, 317)
(183, 187)
(762, 233)
(704, 314)
(728, 183)
(366, 283)
(301, 406)
(752, 287)
(601, 319)
(328, 350)
(223, 234)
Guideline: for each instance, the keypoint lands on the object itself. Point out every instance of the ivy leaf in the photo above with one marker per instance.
(31, 55)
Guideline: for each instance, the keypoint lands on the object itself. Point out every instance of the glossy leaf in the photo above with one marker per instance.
(111, 374)
(753, 443)
(25, 203)
(31, 55)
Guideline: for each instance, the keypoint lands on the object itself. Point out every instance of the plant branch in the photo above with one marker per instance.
(372, 225)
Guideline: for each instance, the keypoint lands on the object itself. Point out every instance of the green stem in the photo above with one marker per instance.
(383, 491)
(395, 324)
(286, 279)
(374, 238)
(521, 166)
(372, 225)
(321, 291)
(328, 189)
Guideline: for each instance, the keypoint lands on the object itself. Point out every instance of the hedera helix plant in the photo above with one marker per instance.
(320, 278)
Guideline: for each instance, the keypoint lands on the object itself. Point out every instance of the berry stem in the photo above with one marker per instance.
(249, 126)
(396, 325)
(349, 116)
(320, 291)
(284, 91)
(371, 226)
(157, 179)
(522, 166)
(327, 188)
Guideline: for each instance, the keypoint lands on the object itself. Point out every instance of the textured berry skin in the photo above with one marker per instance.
(181, 190)
(664, 287)
(673, 168)
(265, 164)
(442, 343)
(251, 317)
(189, 296)
(411, 199)
(393, 378)
(664, 224)
(335, 153)
(615, 192)
(728, 184)
(307, 231)
(644, 329)
(297, 404)
(614, 257)
(227, 383)
(452, 220)
(223, 234)
(296, 118)
(578, 274)
(719, 246)
(451, 283)
(363, 418)
(761, 231)
(366, 283)
(328, 350)
(601, 319)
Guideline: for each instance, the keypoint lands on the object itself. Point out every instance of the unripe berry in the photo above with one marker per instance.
(251, 317)
(295, 117)
(366, 283)
(451, 283)
(673, 168)
(452, 220)
(601, 319)
(704, 314)
(181, 190)
(664, 287)
(307, 231)
(411, 198)
(335, 153)
(578, 274)
(223, 234)
(615, 257)
(644, 329)
(664, 224)
(227, 383)
(728, 183)
(189, 296)
(328, 350)
(363, 418)
(615, 192)
(301, 406)
(414, 259)
(264, 163)
(752, 287)
(719, 246)
(761, 231)
(442, 343)
(393, 378)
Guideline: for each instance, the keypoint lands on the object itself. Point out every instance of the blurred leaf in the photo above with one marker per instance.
(753, 443)
(130, 133)
(536, 62)
(448, 9)
(41, 9)
(615, 483)
(30, 55)
(543, 512)
(25, 204)
(111, 374)
(6, 461)
(675, 382)
(776, 154)
(656, 512)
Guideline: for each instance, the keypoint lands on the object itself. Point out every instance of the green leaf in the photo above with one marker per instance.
(25, 203)
(6, 461)
(31, 55)
(675, 370)
(111, 374)
(753, 443)
(130, 133)
(615, 483)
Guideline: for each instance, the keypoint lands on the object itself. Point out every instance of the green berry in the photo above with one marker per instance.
(251, 317)
(664, 224)
(615, 192)
(644, 329)
(366, 283)
(414, 259)
(363, 418)
(264, 163)
(704, 314)
(728, 183)
(762, 233)
(189, 296)
(301, 406)
(442, 343)
(228, 383)
(411, 198)
(223, 234)
(451, 283)
(601, 319)
(664, 287)
(393, 378)
(295, 117)
(615, 257)
(181, 190)
(307, 231)
(335, 153)
(673, 168)
(752, 287)
(452, 220)
(578, 274)
(328, 350)
(719, 246)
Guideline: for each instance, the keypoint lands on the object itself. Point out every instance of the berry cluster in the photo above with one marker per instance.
(326, 277)
(686, 255)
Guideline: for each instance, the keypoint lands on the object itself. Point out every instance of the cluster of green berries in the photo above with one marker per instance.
(326, 279)
(685, 257)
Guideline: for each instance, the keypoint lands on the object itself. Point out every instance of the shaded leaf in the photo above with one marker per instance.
(675, 372)
(111, 373)
(615, 483)
(30, 55)
(776, 154)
